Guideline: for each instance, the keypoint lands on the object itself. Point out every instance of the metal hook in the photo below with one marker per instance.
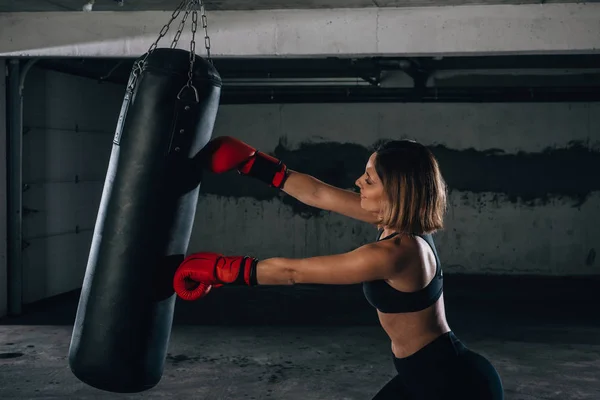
(179, 95)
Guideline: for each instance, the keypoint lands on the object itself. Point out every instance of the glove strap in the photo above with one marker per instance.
(269, 170)
(247, 274)
(252, 280)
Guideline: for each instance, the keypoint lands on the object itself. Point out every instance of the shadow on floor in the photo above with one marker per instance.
(490, 306)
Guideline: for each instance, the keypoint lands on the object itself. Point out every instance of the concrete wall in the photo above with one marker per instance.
(524, 194)
(3, 194)
(69, 124)
(360, 32)
(523, 179)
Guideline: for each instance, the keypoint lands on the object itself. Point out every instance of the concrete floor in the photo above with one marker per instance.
(542, 349)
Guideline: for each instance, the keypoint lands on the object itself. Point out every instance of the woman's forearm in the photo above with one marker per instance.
(275, 271)
(315, 193)
(303, 187)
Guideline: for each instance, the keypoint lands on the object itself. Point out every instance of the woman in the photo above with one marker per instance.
(402, 192)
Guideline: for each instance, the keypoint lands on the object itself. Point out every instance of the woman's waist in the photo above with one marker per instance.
(409, 335)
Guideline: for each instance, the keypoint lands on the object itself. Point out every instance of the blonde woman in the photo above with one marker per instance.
(403, 194)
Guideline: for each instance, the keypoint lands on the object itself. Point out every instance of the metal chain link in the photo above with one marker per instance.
(138, 66)
(191, 6)
(189, 84)
(205, 26)
(182, 24)
(193, 46)
(165, 28)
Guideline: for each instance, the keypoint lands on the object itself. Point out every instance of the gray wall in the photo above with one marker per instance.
(69, 124)
(524, 188)
(3, 199)
(524, 198)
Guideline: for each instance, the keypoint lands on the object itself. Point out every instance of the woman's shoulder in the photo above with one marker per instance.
(396, 247)
(401, 243)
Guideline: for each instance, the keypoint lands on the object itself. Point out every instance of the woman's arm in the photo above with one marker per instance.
(315, 193)
(367, 263)
(226, 153)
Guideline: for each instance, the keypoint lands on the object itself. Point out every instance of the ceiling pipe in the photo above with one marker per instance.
(305, 82)
(361, 94)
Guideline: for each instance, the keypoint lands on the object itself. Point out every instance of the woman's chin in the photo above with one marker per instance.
(367, 207)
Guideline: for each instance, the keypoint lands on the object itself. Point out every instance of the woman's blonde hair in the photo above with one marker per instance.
(414, 187)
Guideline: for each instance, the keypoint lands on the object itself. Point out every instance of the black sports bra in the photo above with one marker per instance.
(389, 300)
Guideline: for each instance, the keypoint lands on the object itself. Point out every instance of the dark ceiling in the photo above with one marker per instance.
(535, 86)
(117, 70)
(167, 5)
(508, 78)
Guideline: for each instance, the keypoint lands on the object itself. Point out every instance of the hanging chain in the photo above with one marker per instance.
(191, 6)
(138, 66)
(182, 24)
(193, 46)
(205, 26)
(165, 28)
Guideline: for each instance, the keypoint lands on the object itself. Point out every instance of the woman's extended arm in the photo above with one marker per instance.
(226, 153)
(369, 262)
(200, 271)
(315, 193)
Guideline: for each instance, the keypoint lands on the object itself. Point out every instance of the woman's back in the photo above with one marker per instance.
(410, 305)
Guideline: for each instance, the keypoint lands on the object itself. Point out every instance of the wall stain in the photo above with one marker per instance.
(591, 257)
(529, 178)
(338, 164)
(5, 356)
(568, 172)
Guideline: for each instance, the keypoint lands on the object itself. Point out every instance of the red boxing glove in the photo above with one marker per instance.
(201, 271)
(191, 290)
(226, 153)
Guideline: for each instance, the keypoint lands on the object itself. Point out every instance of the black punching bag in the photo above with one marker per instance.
(144, 223)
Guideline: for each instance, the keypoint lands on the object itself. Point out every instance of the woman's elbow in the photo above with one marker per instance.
(290, 275)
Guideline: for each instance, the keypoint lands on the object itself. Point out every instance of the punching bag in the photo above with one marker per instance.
(144, 223)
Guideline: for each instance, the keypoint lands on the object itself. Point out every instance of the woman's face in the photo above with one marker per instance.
(371, 188)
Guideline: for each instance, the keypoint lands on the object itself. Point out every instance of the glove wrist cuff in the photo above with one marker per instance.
(247, 273)
(269, 170)
(252, 279)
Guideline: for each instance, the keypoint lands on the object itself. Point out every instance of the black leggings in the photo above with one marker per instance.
(444, 369)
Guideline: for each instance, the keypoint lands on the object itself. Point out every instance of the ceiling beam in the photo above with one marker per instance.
(427, 31)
